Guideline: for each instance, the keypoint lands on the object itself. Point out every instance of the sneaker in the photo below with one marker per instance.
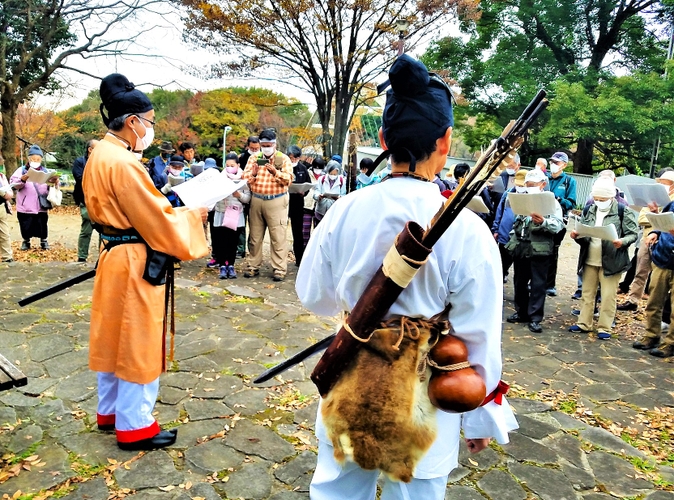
(7, 260)
(577, 329)
(603, 335)
(577, 295)
(223, 272)
(25, 245)
(81, 259)
(575, 312)
(250, 273)
(231, 272)
(551, 292)
(535, 327)
(516, 318)
(212, 264)
(44, 244)
(627, 306)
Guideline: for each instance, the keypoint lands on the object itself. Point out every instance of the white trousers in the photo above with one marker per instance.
(128, 406)
(331, 481)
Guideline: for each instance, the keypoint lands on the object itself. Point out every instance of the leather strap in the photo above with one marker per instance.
(169, 297)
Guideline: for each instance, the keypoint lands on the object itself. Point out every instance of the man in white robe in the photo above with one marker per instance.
(463, 272)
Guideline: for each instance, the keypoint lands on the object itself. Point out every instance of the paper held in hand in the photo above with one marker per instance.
(477, 205)
(40, 177)
(643, 194)
(607, 233)
(300, 188)
(536, 203)
(661, 222)
(206, 189)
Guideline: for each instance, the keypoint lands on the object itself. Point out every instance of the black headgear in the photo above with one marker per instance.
(418, 103)
(121, 97)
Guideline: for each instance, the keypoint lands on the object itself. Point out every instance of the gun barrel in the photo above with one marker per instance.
(57, 287)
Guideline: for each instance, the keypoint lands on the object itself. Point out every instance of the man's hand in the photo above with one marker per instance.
(271, 169)
(254, 167)
(653, 207)
(574, 235)
(24, 177)
(652, 239)
(538, 219)
(203, 211)
(477, 445)
(496, 236)
(617, 243)
(236, 194)
(53, 180)
(8, 195)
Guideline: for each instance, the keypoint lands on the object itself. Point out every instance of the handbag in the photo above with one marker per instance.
(231, 217)
(55, 196)
(45, 204)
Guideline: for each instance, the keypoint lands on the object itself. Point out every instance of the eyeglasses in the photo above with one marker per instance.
(147, 120)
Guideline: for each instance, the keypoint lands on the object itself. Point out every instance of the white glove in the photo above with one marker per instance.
(166, 189)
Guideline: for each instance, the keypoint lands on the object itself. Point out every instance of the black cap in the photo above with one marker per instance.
(177, 160)
(120, 97)
(167, 146)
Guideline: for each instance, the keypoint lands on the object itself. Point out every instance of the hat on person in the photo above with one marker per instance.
(418, 104)
(668, 176)
(167, 146)
(520, 176)
(177, 160)
(337, 158)
(210, 163)
(332, 165)
(560, 156)
(603, 187)
(35, 150)
(534, 175)
(196, 168)
(120, 97)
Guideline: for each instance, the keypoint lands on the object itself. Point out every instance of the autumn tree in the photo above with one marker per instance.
(332, 48)
(519, 46)
(39, 38)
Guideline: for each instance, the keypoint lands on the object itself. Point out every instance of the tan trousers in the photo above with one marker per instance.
(641, 274)
(5, 239)
(662, 283)
(272, 214)
(593, 276)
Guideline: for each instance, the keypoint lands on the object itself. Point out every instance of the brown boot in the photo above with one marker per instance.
(666, 351)
(646, 343)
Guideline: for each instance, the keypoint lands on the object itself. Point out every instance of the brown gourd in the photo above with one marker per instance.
(457, 391)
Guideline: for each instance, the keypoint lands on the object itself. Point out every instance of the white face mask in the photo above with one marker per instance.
(34, 164)
(520, 189)
(267, 151)
(533, 190)
(603, 205)
(510, 171)
(252, 153)
(332, 177)
(556, 168)
(143, 143)
(318, 171)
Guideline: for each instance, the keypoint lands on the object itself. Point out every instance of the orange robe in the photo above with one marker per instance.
(127, 312)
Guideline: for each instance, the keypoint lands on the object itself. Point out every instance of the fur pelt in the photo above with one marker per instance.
(378, 414)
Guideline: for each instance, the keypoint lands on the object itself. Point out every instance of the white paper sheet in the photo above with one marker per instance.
(571, 223)
(206, 189)
(661, 222)
(477, 205)
(40, 177)
(498, 186)
(537, 203)
(643, 194)
(300, 188)
(608, 233)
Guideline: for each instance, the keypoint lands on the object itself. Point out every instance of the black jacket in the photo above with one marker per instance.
(78, 171)
(296, 200)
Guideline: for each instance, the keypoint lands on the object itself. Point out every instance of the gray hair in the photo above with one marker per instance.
(333, 165)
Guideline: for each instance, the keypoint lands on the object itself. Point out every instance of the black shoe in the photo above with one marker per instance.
(44, 244)
(551, 292)
(665, 351)
(577, 295)
(516, 318)
(80, 259)
(25, 245)
(535, 327)
(106, 427)
(646, 344)
(278, 277)
(250, 273)
(627, 306)
(161, 440)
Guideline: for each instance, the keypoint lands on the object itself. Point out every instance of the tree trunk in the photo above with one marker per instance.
(8, 109)
(582, 161)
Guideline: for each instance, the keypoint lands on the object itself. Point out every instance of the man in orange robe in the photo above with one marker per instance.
(126, 337)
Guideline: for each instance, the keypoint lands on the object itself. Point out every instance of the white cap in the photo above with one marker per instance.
(603, 187)
(536, 176)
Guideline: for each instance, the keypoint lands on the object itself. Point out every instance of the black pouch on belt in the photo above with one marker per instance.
(156, 265)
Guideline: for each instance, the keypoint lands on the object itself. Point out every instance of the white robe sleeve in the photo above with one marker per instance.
(475, 315)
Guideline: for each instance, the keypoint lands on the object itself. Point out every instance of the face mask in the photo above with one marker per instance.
(267, 151)
(144, 143)
(318, 171)
(232, 170)
(603, 205)
(34, 164)
(556, 168)
(252, 153)
(510, 171)
(532, 190)
(520, 189)
(332, 177)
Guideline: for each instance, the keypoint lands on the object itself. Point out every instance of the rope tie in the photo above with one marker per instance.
(448, 368)
(346, 326)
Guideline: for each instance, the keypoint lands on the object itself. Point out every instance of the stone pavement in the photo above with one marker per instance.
(240, 441)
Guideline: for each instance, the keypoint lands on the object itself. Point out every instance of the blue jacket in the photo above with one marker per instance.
(564, 189)
(157, 169)
(503, 221)
(662, 253)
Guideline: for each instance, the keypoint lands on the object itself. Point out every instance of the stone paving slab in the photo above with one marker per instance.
(259, 441)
